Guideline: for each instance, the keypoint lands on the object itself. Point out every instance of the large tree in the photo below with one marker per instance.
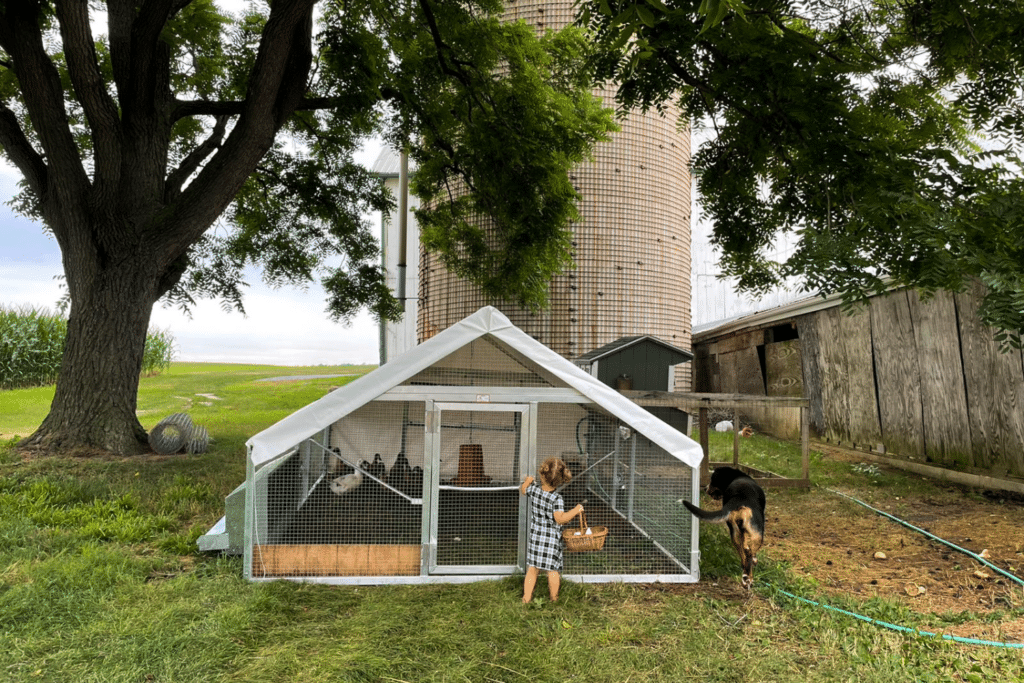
(884, 134)
(135, 141)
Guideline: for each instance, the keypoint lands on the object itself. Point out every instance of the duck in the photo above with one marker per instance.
(349, 482)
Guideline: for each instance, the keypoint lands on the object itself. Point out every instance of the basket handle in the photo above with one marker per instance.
(583, 521)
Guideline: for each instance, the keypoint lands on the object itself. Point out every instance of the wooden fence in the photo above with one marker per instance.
(921, 379)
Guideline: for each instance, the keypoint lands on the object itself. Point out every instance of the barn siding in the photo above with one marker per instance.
(834, 377)
(855, 331)
(919, 378)
(782, 368)
(946, 430)
(810, 361)
(897, 373)
(995, 390)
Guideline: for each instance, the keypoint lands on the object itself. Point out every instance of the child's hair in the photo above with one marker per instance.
(554, 472)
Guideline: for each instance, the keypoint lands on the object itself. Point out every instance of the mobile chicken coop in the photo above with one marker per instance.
(410, 473)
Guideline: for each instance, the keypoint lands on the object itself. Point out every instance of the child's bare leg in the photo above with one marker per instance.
(554, 583)
(529, 583)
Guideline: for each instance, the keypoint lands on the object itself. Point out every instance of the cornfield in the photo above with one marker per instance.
(32, 343)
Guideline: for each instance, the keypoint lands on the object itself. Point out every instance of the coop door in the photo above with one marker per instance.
(476, 516)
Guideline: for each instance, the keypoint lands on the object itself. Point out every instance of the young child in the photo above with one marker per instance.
(544, 549)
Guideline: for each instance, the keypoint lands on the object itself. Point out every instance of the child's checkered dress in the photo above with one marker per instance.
(544, 549)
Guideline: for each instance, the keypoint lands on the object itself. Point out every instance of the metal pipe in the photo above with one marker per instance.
(403, 224)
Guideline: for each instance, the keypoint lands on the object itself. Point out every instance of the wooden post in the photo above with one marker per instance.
(805, 441)
(705, 468)
(736, 437)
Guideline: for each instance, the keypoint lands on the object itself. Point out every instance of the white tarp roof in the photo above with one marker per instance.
(281, 437)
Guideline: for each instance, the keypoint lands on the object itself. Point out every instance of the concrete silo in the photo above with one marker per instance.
(632, 247)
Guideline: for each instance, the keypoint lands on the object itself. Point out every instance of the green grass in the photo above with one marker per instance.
(100, 581)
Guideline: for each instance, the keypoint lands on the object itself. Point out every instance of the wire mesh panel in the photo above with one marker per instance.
(481, 363)
(345, 503)
(627, 484)
(477, 507)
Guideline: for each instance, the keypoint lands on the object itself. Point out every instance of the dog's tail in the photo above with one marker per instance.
(707, 515)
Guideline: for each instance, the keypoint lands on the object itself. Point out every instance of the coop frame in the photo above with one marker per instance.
(525, 402)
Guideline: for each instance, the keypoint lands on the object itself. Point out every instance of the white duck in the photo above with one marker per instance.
(343, 485)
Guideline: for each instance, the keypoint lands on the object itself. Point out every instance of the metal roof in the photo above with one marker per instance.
(389, 162)
(625, 342)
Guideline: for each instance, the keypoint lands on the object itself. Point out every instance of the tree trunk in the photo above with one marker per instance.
(97, 390)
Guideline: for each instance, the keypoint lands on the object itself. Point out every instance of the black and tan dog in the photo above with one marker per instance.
(742, 511)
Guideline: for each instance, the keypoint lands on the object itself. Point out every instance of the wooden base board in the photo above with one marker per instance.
(335, 560)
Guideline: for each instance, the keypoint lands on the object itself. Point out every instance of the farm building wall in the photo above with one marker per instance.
(900, 375)
(631, 247)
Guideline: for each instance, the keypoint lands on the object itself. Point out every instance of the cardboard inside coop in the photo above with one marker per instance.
(336, 560)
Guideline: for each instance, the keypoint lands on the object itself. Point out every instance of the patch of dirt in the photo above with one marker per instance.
(833, 541)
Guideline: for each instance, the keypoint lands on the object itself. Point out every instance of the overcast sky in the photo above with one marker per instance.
(283, 326)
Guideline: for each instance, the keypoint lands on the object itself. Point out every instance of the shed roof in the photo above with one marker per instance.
(280, 438)
(626, 342)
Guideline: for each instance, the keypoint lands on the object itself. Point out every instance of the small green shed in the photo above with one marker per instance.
(640, 363)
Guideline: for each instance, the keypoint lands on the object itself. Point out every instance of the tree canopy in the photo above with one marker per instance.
(179, 144)
(884, 135)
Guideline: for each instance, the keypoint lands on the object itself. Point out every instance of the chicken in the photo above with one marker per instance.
(400, 472)
(342, 485)
(377, 468)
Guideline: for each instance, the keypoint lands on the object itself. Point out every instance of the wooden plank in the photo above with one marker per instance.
(941, 473)
(810, 362)
(897, 374)
(693, 401)
(741, 372)
(739, 341)
(946, 429)
(336, 560)
(834, 377)
(702, 370)
(855, 329)
(704, 444)
(784, 369)
(995, 391)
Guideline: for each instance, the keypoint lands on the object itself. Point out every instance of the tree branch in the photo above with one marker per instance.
(186, 108)
(20, 151)
(176, 178)
(21, 37)
(120, 15)
(145, 35)
(276, 85)
(100, 109)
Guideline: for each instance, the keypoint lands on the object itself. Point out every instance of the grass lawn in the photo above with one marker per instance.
(100, 581)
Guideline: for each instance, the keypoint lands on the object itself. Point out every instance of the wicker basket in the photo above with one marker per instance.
(584, 542)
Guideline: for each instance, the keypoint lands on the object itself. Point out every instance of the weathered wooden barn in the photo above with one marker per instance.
(922, 379)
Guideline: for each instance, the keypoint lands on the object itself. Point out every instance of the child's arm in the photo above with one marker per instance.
(563, 517)
(525, 485)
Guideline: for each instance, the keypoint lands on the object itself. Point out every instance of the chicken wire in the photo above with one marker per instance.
(423, 491)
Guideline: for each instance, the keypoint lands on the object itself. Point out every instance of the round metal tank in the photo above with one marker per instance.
(632, 247)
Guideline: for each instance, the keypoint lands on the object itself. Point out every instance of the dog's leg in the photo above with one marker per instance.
(747, 542)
